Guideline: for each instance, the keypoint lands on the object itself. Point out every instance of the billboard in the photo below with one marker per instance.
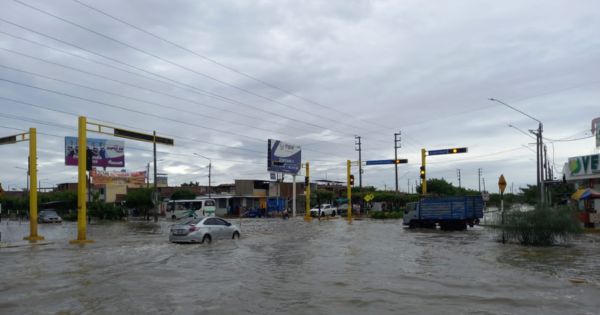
(105, 153)
(596, 130)
(283, 157)
(584, 165)
(137, 179)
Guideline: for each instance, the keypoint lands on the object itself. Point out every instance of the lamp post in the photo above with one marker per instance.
(27, 170)
(539, 145)
(148, 172)
(209, 171)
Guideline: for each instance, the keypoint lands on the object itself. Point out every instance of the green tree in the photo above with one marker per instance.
(140, 199)
(183, 194)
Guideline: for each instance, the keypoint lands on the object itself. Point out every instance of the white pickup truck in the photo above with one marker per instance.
(326, 209)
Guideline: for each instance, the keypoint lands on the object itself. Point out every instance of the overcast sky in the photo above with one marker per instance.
(312, 73)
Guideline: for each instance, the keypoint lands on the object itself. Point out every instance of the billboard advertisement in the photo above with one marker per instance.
(584, 165)
(105, 153)
(283, 157)
(137, 179)
(596, 130)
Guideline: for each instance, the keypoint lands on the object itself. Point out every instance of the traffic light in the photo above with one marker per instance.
(457, 150)
(351, 180)
(88, 159)
(306, 181)
(400, 161)
(422, 172)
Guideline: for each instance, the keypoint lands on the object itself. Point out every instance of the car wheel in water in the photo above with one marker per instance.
(236, 235)
(173, 217)
(333, 214)
(206, 239)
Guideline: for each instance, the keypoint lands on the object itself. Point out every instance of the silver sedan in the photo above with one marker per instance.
(204, 229)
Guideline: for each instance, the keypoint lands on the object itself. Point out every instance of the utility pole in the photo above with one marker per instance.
(155, 192)
(479, 172)
(397, 144)
(483, 179)
(458, 174)
(148, 175)
(358, 143)
(539, 146)
(408, 185)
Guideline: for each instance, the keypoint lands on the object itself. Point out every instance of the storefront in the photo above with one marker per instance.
(584, 172)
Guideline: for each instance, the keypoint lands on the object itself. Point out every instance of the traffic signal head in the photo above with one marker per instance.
(88, 159)
(351, 180)
(457, 150)
(306, 181)
(400, 161)
(422, 172)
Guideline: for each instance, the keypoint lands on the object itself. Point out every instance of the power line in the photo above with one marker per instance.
(131, 98)
(165, 60)
(268, 84)
(220, 97)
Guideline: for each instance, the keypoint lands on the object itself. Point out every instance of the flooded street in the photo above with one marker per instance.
(294, 267)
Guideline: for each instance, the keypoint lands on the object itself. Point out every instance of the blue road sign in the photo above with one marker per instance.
(438, 152)
(381, 162)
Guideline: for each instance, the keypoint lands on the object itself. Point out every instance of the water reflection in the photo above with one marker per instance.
(294, 267)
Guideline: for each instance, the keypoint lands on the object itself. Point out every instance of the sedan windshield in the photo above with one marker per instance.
(49, 213)
(190, 221)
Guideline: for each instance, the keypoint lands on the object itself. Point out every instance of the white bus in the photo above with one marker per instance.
(177, 209)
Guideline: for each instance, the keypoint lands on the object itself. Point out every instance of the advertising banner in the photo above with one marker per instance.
(283, 157)
(584, 165)
(105, 153)
(596, 130)
(118, 178)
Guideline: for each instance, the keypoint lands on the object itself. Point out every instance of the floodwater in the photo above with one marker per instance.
(295, 267)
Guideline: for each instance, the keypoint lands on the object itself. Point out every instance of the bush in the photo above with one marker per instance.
(386, 215)
(543, 226)
(106, 211)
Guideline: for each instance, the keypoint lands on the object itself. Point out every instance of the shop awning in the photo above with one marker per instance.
(585, 193)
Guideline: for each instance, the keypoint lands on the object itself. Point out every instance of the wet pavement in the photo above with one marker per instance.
(294, 267)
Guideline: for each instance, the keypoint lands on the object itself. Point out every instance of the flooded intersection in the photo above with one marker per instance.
(290, 266)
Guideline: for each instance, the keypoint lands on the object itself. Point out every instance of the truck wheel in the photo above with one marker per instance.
(333, 214)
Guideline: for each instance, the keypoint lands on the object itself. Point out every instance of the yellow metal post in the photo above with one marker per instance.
(81, 184)
(33, 208)
(307, 190)
(424, 178)
(349, 193)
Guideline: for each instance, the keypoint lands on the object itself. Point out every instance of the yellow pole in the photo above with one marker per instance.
(307, 189)
(349, 193)
(81, 184)
(424, 179)
(33, 208)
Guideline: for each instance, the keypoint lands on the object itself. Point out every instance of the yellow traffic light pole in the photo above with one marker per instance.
(81, 184)
(349, 192)
(30, 136)
(307, 190)
(33, 200)
(424, 172)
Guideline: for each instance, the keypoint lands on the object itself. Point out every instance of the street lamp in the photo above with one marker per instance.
(209, 171)
(148, 172)
(539, 144)
(22, 168)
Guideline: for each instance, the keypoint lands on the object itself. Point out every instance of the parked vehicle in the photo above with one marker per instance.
(253, 213)
(49, 216)
(201, 230)
(450, 213)
(177, 209)
(325, 210)
(342, 209)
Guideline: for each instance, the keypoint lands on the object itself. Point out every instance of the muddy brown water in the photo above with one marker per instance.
(294, 267)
